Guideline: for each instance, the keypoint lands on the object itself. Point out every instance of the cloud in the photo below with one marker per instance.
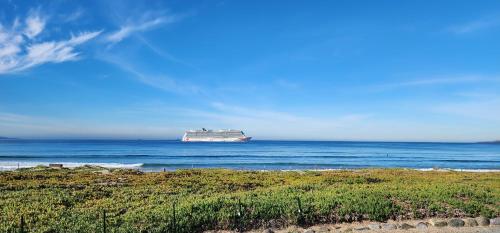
(57, 51)
(159, 81)
(34, 126)
(19, 50)
(10, 117)
(283, 83)
(283, 125)
(74, 15)
(475, 25)
(481, 106)
(164, 54)
(438, 80)
(17, 56)
(161, 120)
(129, 29)
(34, 25)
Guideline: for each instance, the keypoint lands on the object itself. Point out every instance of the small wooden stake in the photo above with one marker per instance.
(104, 221)
(300, 218)
(21, 227)
(174, 221)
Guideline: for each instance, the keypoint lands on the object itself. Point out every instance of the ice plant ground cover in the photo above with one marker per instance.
(62, 200)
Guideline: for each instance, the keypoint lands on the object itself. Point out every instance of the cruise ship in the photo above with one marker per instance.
(223, 135)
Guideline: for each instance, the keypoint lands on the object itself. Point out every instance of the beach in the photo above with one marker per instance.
(197, 200)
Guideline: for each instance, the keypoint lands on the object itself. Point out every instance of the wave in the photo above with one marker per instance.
(456, 170)
(188, 156)
(251, 164)
(15, 165)
(417, 169)
(377, 158)
(72, 156)
(465, 161)
(283, 166)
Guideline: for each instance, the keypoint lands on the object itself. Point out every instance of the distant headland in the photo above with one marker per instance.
(491, 142)
(6, 138)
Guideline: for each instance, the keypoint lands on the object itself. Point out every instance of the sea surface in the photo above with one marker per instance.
(156, 155)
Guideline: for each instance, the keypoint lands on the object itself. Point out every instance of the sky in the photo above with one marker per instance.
(290, 70)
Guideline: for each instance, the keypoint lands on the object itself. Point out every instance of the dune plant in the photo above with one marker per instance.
(74, 200)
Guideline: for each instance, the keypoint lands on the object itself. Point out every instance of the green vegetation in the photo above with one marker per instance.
(73, 200)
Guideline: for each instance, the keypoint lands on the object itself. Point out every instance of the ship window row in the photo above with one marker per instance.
(210, 134)
(221, 133)
(214, 134)
(219, 136)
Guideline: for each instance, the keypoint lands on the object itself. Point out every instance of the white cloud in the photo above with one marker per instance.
(270, 124)
(164, 54)
(18, 53)
(475, 25)
(438, 80)
(283, 83)
(56, 51)
(39, 53)
(162, 120)
(9, 49)
(283, 125)
(159, 81)
(34, 25)
(31, 126)
(83, 37)
(10, 117)
(74, 16)
(127, 30)
(480, 106)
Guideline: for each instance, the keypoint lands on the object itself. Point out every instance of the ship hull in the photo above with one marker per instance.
(242, 139)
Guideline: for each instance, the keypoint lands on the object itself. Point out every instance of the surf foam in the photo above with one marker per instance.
(14, 165)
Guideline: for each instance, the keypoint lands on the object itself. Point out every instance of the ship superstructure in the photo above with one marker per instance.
(223, 135)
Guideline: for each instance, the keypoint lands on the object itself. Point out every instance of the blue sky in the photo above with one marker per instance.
(321, 70)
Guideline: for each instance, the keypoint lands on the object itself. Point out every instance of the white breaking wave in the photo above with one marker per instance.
(417, 169)
(14, 165)
(6, 166)
(457, 170)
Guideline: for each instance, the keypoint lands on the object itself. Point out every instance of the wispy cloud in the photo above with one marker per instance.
(164, 54)
(482, 106)
(159, 81)
(35, 126)
(160, 120)
(75, 15)
(286, 84)
(283, 125)
(10, 117)
(34, 25)
(149, 21)
(18, 52)
(12, 59)
(140, 26)
(437, 81)
(476, 25)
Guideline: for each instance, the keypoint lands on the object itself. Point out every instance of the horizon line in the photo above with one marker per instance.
(277, 140)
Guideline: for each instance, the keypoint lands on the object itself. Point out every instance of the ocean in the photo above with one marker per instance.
(157, 155)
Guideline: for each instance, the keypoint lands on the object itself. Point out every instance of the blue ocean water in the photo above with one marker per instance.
(153, 155)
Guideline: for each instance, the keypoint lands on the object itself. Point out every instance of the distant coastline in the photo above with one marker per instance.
(491, 142)
(49, 139)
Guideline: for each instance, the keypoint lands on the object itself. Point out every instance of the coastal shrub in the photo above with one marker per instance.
(73, 200)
